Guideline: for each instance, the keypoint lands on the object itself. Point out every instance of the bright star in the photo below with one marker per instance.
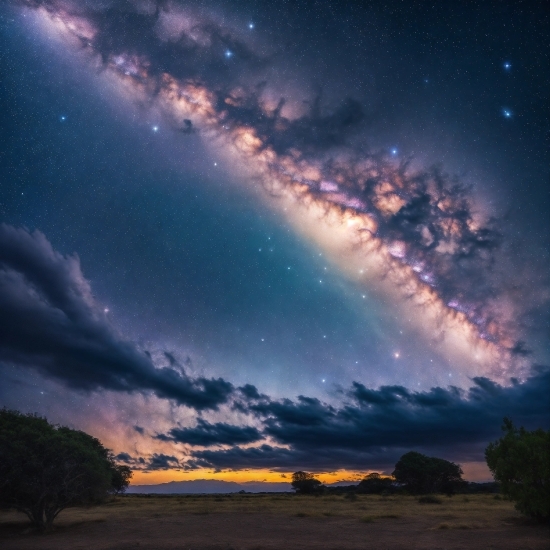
(228, 53)
(155, 128)
(323, 380)
(106, 310)
(63, 118)
(507, 113)
(507, 66)
(396, 355)
(251, 25)
(394, 151)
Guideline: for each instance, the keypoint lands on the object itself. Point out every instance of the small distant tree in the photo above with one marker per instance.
(374, 484)
(520, 462)
(45, 469)
(421, 474)
(305, 483)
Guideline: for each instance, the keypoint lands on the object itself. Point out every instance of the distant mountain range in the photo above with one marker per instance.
(201, 486)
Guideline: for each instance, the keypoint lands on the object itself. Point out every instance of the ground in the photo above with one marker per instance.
(254, 522)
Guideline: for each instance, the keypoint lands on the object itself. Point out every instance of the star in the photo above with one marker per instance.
(507, 113)
(155, 128)
(396, 355)
(106, 310)
(394, 152)
(63, 118)
(228, 53)
(251, 25)
(507, 66)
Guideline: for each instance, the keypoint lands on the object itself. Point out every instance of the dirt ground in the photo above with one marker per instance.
(254, 522)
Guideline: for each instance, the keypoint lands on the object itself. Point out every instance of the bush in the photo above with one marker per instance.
(45, 469)
(520, 461)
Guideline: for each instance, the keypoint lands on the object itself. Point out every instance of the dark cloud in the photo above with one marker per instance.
(377, 426)
(154, 462)
(135, 462)
(51, 322)
(162, 462)
(206, 434)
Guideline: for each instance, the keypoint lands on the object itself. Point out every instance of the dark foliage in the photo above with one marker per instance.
(375, 484)
(421, 474)
(520, 462)
(45, 469)
(305, 483)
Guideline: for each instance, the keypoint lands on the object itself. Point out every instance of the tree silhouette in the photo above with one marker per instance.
(520, 462)
(45, 469)
(422, 474)
(305, 483)
(374, 483)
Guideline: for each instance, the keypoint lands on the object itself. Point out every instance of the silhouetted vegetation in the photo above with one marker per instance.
(520, 462)
(305, 483)
(375, 484)
(421, 474)
(45, 469)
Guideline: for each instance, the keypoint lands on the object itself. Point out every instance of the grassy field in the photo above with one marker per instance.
(284, 521)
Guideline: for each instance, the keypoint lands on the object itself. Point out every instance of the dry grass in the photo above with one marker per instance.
(274, 521)
(452, 513)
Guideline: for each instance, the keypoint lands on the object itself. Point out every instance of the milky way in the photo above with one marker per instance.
(418, 239)
(413, 233)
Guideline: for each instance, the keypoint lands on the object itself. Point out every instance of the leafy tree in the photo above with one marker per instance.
(120, 478)
(45, 469)
(374, 484)
(520, 462)
(421, 474)
(305, 483)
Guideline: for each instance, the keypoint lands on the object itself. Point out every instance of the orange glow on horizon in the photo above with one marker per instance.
(240, 476)
(473, 471)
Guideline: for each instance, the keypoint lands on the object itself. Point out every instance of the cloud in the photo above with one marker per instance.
(51, 322)
(205, 434)
(376, 426)
(162, 462)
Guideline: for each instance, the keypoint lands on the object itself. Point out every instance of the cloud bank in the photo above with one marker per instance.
(51, 322)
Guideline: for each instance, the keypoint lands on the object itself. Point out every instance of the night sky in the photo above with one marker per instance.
(242, 238)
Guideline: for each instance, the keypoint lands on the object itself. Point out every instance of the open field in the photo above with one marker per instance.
(282, 521)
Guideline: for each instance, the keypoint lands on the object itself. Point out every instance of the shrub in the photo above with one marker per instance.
(520, 461)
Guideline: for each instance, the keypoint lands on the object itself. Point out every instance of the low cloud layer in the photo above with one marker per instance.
(51, 322)
(373, 427)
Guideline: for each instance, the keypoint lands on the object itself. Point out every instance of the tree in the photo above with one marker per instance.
(421, 474)
(374, 484)
(120, 478)
(45, 469)
(305, 483)
(520, 462)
